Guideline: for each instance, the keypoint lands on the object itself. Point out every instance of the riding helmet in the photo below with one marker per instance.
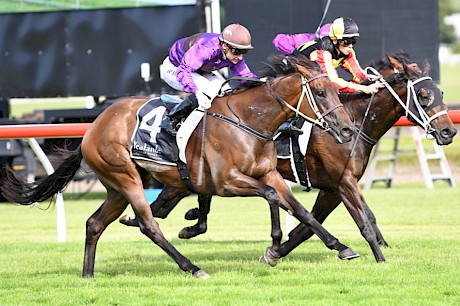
(237, 36)
(343, 28)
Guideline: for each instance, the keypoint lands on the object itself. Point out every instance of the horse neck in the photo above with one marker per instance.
(259, 109)
(383, 113)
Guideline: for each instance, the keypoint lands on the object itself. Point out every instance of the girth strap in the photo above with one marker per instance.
(183, 170)
(300, 164)
(185, 175)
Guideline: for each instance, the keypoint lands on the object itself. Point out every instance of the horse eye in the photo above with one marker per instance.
(321, 93)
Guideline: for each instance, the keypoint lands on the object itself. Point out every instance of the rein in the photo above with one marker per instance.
(362, 125)
(306, 90)
(241, 126)
(425, 119)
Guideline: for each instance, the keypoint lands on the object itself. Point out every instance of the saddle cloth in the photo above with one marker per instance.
(150, 142)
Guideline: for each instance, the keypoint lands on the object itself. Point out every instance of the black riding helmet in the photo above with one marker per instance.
(344, 28)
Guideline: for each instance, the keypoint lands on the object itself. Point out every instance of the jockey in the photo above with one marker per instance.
(336, 50)
(192, 63)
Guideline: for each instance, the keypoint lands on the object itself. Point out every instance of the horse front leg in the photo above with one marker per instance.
(238, 184)
(325, 203)
(370, 215)
(289, 203)
(353, 200)
(151, 229)
(204, 202)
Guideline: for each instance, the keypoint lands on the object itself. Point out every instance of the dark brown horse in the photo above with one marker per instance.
(236, 162)
(335, 169)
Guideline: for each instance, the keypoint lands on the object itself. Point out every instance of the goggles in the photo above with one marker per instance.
(348, 41)
(236, 51)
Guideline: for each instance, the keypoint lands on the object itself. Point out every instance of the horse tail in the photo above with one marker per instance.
(15, 188)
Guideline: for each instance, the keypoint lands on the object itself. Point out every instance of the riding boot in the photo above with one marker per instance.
(180, 111)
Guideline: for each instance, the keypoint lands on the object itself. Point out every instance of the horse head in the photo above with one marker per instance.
(424, 101)
(317, 101)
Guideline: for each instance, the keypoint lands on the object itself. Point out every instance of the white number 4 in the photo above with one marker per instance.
(151, 122)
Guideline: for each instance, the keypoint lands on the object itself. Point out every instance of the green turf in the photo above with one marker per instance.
(421, 226)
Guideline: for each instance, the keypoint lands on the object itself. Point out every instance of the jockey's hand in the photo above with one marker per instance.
(204, 100)
(372, 88)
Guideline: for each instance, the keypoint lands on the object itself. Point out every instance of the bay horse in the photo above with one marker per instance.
(237, 161)
(337, 169)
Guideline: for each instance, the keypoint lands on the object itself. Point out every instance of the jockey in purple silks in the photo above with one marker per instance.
(192, 67)
(286, 43)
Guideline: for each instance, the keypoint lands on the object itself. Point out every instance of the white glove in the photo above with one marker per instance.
(204, 101)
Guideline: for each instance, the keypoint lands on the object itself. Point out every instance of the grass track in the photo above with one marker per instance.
(422, 265)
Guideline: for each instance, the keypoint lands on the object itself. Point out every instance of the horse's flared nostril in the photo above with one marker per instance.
(346, 132)
(448, 133)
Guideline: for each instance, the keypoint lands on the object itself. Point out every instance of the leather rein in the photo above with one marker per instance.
(306, 91)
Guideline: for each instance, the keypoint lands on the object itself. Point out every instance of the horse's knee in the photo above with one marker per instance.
(272, 196)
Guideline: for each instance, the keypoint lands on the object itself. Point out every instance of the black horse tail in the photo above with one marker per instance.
(16, 189)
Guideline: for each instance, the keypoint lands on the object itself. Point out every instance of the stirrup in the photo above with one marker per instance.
(292, 130)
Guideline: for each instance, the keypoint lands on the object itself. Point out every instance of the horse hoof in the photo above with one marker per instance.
(269, 258)
(129, 220)
(383, 243)
(125, 219)
(192, 214)
(185, 234)
(201, 274)
(348, 253)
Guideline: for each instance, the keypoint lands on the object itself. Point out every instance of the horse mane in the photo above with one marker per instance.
(279, 65)
(379, 65)
(384, 63)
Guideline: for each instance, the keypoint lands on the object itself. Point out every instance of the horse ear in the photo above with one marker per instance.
(426, 67)
(302, 69)
(395, 63)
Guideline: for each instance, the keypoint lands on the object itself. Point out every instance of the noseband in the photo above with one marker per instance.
(306, 91)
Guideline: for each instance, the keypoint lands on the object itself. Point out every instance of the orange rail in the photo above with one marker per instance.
(64, 130)
(67, 130)
(453, 114)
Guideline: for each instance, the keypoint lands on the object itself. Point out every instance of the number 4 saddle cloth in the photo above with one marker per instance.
(148, 141)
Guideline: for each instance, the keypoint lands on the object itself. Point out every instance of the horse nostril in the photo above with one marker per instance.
(449, 132)
(346, 132)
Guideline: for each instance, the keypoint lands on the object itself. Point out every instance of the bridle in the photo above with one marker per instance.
(306, 91)
(423, 120)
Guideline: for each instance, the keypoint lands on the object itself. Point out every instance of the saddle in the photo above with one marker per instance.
(170, 101)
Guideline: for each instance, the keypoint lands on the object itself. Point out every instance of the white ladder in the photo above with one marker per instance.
(423, 157)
